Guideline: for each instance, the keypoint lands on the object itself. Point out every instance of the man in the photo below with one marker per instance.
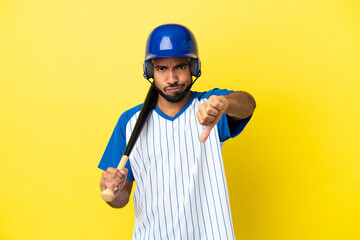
(181, 190)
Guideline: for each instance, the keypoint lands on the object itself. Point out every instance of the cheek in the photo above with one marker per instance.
(157, 83)
(188, 79)
(158, 77)
(184, 76)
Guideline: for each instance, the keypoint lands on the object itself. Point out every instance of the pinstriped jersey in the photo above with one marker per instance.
(181, 190)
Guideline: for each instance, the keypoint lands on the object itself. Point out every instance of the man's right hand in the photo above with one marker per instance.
(113, 179)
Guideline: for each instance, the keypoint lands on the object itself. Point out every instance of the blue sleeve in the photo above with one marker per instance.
(230, 128)
(116, 147)
(227, 127)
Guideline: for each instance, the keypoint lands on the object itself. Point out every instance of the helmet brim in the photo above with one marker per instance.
(170, 53)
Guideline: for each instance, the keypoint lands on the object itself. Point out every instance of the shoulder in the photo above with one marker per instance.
(207, 94)
(128, 114)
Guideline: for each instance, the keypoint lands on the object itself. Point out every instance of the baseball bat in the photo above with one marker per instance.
(149, 103)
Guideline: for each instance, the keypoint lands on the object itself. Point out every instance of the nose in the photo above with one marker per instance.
(172, 78)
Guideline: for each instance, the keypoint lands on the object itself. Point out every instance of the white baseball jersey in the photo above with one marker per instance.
(181, 190)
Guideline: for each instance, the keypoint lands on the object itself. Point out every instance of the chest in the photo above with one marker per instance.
(172, 144)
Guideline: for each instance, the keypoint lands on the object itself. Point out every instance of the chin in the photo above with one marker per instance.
(176, 93)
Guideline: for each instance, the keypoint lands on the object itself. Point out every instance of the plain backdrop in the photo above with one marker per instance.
(68, 69)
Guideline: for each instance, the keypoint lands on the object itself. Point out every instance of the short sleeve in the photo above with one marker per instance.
(116, 147)
(230, 128)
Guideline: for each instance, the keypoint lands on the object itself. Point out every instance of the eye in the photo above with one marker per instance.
(160, 69)
(181, 67)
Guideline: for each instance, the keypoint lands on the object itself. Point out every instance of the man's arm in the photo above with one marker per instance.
(237, 105)
(240, 105)
(115, 180)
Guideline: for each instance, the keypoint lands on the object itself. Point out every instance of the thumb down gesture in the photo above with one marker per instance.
(209, 114)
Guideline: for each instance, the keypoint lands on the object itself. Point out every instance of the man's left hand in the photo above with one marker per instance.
(210, 112)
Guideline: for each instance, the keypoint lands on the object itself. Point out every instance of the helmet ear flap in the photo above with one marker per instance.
(195, 67)
(148, 69)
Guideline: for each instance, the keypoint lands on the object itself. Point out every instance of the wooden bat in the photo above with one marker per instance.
(149, 103)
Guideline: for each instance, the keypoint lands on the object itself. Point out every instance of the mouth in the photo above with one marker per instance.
(174, 89)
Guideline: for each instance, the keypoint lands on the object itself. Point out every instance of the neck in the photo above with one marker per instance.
(172, 108)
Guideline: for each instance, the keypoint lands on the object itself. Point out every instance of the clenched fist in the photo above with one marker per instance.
(113, 179)
(210, 112)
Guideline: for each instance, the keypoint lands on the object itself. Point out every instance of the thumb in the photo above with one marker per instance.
(206, 132)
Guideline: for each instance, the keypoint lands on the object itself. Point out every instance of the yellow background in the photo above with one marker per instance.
(68, 69)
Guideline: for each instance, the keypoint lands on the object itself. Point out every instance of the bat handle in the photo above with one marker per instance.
(108, 194)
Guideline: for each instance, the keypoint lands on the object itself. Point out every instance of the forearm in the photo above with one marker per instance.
(240, 105)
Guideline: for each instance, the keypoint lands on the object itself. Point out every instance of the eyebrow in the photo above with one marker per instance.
(182, 65)
(179, 65)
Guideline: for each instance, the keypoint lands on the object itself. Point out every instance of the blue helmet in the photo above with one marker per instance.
(171, 40)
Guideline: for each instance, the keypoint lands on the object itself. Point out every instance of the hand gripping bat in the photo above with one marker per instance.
(149, 103)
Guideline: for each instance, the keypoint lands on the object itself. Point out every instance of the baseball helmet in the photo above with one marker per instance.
(171, 40)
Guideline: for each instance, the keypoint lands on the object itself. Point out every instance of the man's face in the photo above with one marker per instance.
(172, 75)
